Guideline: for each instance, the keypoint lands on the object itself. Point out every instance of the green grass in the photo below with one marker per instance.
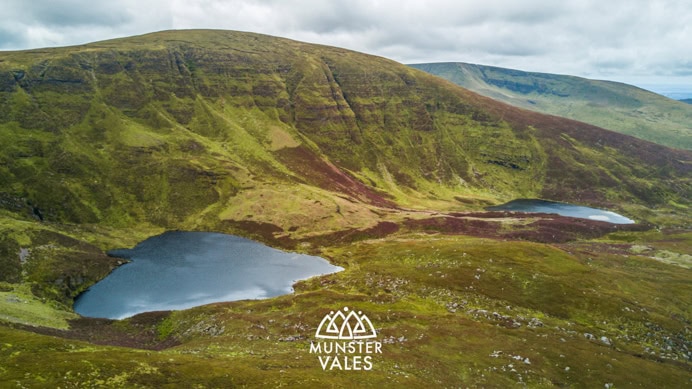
(136, 140)
(19, 305)
(615, 106)
(441, 323)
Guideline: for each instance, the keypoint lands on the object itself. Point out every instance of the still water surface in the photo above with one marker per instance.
(564, 209)
(179, 270)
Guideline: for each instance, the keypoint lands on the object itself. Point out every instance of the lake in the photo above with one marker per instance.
(179, 270)
(563, 209)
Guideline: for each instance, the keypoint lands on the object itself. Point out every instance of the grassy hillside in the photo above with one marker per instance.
(612, 105)
(210, 116)
(381, 168)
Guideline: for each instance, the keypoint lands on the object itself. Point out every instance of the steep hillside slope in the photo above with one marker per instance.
(615, 106)
(192, 128)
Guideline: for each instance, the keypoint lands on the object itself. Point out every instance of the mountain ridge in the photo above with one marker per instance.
(245, 101)
(608, 104)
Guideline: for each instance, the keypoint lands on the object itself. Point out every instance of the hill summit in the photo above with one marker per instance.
(187, 128)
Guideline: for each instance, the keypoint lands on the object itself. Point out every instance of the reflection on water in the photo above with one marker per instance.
(178, 270)
(564, 209)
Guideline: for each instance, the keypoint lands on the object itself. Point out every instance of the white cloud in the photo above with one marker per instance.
(619, 39)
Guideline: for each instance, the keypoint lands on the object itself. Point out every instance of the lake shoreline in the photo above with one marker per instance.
(184, 269)
(563, 209)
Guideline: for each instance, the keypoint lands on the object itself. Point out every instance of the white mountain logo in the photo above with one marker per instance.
(346, 325)
(345, 341)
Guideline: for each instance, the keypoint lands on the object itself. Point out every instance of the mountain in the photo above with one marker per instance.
(687, 101)
(612, 105)
(189, 128)
(383, 169)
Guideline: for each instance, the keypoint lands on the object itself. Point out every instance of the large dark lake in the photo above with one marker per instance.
(178, 270)
(564, 209)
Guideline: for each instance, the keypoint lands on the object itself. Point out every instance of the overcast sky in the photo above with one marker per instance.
(642, 42)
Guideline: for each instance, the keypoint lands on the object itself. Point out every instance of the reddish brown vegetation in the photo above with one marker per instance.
(559, 229)
(455, 225)
(380, 230)
(139, 332)
(543, 228)
(264, 232)
(323, 174)
(547, 228)
(267, 233)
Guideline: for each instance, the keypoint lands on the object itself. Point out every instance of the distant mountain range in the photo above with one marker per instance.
(612, 105)
(688, 101)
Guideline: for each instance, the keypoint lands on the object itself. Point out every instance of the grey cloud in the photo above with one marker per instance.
(581, 37)
(324, 18)
(607, 65)
(56, 13)
(75, 15)
(684, 72)
(10, 39)
(682, 68)
(41, 23)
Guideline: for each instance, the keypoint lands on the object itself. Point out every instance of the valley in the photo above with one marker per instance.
(381, 169)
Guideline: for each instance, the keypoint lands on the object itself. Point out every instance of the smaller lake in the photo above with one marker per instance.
(563, 209)
(179, 270)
